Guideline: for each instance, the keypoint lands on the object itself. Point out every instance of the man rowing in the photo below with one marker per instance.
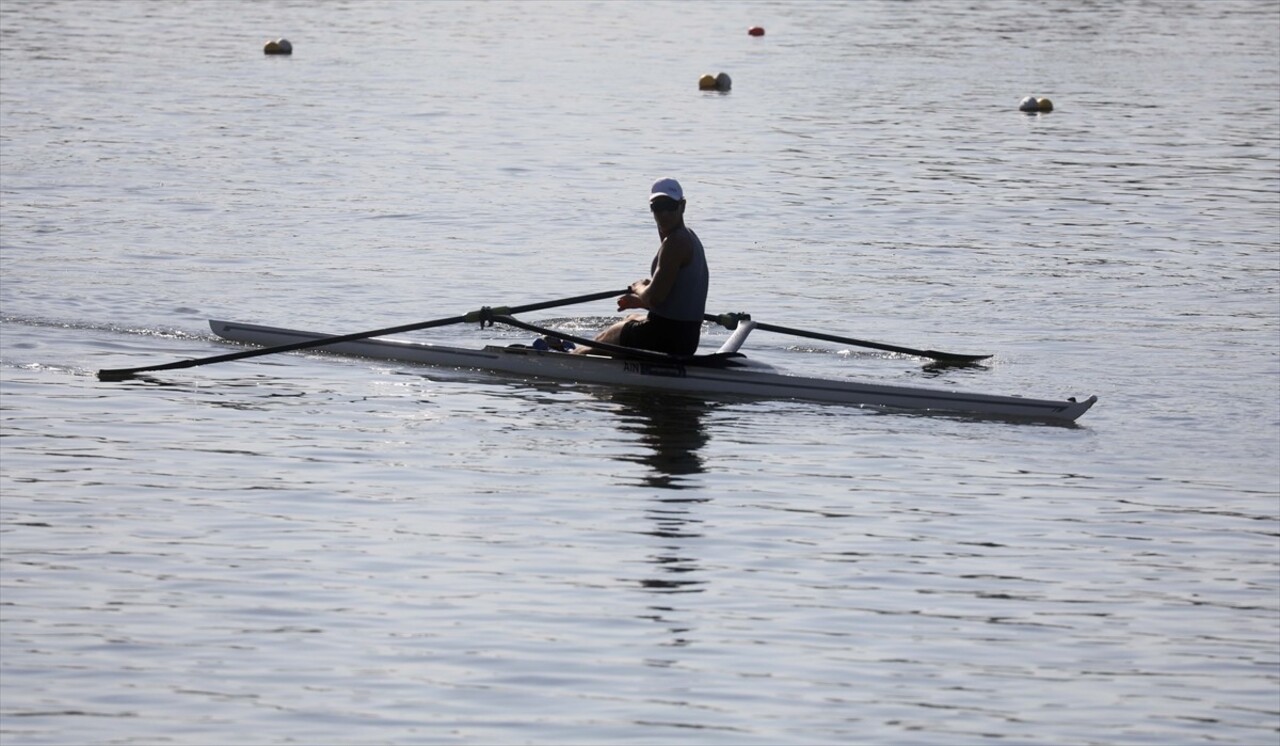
(674, 293)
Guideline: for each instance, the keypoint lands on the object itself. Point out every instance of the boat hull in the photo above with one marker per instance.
(735, 376)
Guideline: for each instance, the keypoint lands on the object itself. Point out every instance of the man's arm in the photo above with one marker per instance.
(673, 255)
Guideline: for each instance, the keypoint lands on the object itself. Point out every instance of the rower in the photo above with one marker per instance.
(675, 293)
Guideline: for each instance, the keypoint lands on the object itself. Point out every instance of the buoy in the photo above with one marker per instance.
(278, 46)
(756, 31)
(1031, 105)
(709, 82)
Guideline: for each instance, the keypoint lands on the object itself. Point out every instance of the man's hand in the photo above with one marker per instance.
(630, 300)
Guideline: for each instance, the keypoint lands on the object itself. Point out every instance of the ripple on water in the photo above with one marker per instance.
(307, 548)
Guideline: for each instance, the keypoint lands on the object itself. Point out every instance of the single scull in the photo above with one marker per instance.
(726, 372)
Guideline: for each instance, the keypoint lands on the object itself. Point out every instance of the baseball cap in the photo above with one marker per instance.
(667, 187)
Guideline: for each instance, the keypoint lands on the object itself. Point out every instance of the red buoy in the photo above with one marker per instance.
(756, 31)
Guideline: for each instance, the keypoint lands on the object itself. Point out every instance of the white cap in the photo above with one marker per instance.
(667, 187)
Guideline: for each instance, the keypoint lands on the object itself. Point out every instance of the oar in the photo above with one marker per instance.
(632, 353)
(730, 321)
(485, 314)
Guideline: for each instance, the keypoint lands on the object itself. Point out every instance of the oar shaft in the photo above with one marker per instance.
(630, 352)
(935, 354)
(484, 314)
(834, 338)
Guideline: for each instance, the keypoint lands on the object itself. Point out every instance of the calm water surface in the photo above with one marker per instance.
(307, 549)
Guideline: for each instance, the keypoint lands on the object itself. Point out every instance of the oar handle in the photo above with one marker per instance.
(482, 315)
(730, 320)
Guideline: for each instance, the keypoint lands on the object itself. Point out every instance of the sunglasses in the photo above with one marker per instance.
(664, 205)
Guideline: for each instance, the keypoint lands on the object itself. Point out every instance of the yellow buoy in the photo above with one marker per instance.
(707, 82)
(278, 46)
(1033, 105)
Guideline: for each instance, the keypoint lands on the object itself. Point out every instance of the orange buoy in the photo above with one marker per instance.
(756, 31)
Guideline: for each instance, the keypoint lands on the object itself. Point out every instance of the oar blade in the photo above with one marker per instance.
(118, 374)
(953, 358)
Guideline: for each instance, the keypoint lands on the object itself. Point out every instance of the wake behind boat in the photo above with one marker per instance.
(726, 372)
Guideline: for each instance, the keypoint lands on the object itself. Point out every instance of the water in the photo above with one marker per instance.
(306, 549)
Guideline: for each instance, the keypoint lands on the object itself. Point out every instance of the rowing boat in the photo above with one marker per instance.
(725, 372)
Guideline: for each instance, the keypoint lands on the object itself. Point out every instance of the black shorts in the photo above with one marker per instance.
(661, 334)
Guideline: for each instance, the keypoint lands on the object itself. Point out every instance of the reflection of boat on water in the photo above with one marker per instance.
(672, 432)
(671, 429)
(674, 522)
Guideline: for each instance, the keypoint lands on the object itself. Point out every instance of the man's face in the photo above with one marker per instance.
(666, 212)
